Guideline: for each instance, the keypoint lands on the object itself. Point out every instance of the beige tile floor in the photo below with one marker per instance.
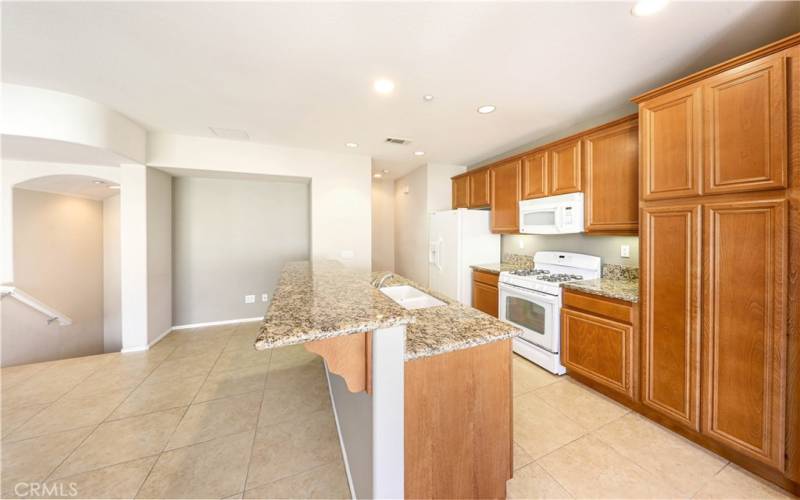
(202, 415)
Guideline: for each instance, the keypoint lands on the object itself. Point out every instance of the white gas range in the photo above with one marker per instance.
(531, 300)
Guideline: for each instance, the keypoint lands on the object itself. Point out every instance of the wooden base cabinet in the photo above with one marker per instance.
(597, 341)
(485, 295)
(744, 328)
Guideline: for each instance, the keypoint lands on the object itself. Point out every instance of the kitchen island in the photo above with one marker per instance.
(422, 397)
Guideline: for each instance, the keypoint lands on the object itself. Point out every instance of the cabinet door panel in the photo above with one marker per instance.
(671, 142)
(565, 168)
(744, 327)
(612, 179)
(535, 182)
(461, 192)
(598, 348)
(479, 189)
(485, 298)
(746, 128)
(670, 304)
(505, 182)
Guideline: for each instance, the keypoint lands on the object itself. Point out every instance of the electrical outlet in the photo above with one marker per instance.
(625, 251)
(264, 297)
(249, 299)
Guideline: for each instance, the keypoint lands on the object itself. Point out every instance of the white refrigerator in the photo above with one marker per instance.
(458, 239)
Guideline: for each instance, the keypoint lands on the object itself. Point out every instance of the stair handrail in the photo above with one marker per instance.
(9, 290)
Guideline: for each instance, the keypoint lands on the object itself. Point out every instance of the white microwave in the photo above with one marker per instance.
(560, 214)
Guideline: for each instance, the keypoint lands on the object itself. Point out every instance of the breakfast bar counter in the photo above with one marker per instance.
(412, 379)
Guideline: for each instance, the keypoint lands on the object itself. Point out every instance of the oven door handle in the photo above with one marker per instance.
(527, 292)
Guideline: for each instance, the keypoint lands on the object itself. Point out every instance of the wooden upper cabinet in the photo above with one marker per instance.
(565, 167)
(671, 144)
(612, 179)
(461, 192)
(505, 184)
(535, 175)
(479, 189)
(670, 281)
(744, 327)
(746, 127)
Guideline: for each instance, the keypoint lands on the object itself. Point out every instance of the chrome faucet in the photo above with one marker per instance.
(379, 281)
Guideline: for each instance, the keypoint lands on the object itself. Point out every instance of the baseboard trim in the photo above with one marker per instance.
(215, 323)
(140, 348)
(339, 433)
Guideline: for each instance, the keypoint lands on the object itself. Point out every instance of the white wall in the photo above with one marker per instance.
(112, 306)
(340, 185)
(46, 114)
(231, 238)
(411, 226)
(59, 260)
(425, 190)
(159, 254)
(383, 225)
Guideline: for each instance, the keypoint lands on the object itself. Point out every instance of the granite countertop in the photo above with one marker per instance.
(320, 300)
(617, 282)
(451, 327)
(498, 267)
(324, 299)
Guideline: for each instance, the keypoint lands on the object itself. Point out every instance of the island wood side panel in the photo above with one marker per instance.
(349, 356)
(458, 429)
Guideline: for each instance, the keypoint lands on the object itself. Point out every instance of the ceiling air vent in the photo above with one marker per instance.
(397, 140)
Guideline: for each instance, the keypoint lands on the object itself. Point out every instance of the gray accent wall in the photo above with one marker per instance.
(230, 239)
(605, 247)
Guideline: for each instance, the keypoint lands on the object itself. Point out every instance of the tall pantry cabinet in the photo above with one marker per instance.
(720, 217)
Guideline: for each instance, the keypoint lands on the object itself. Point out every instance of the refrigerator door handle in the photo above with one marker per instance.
(434, 254)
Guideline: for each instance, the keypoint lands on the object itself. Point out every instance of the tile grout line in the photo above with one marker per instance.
(166, 442)
(258, 420)
(95, 427)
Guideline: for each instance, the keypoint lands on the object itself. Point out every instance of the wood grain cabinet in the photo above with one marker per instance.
(565, 167)
(746, 127)
(460, 191)
(672, 144)
(597, 341)
(505, 187)
(670, 283)
(485, 295)
(744, 328)
(479, 189)
(535, 175)
(612, 179)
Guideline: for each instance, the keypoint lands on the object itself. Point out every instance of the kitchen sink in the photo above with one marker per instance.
(410, 297)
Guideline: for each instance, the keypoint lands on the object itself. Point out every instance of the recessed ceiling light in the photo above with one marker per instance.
(648, 7)
(351, 145)
(383, 86)
(487, 108)
(98, 182)
(385, 171)
(419, 153)
(378, 175)
(427, 97)
(113, 186)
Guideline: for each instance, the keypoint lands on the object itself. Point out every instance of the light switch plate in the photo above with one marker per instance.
(625, 251)
(264, 297)
(249, 299)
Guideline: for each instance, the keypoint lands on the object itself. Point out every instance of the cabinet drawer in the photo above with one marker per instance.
(610, 308)
(599, 349)
(484, 277)
(485, 298)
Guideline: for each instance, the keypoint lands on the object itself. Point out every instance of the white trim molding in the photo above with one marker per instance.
(215, 323)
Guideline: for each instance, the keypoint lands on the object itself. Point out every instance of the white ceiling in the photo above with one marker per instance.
(70, 185)
(300, 74)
